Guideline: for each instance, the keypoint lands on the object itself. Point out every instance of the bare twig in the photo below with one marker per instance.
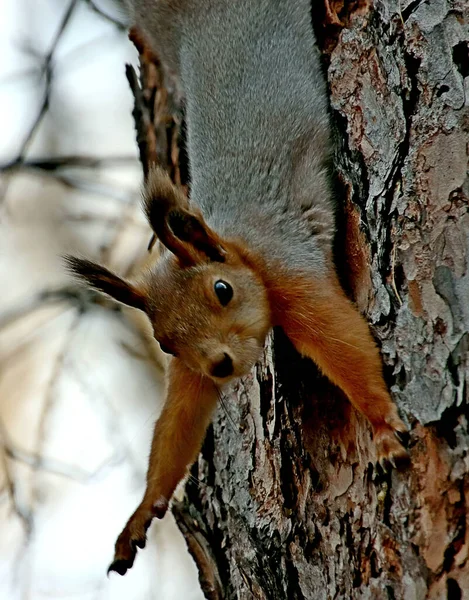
(75, 182)
(23, 513)
(50, 399)
(119, 24)
(26, 307)
(48, 71)
(76, 161)
(59, 467)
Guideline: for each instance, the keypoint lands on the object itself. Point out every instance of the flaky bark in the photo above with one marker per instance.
(289, 504)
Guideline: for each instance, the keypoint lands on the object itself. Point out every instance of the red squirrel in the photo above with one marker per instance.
(253, 247)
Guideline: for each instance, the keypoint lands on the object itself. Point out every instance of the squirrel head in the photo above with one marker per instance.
(205, 298)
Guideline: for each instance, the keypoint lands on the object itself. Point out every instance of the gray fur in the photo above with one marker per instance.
(257, 119)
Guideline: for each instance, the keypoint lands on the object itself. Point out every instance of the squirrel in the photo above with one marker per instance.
(253, 247)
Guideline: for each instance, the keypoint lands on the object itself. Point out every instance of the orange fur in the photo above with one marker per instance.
(324, 325)
(259, 159)
(177, 438)
(189, 320)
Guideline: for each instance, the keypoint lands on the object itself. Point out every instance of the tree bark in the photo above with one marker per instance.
(288, 502)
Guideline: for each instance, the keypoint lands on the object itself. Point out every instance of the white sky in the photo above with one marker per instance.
(78, 391)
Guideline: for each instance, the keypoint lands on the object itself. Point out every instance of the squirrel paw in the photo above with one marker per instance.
(134, 535)
(388, 440)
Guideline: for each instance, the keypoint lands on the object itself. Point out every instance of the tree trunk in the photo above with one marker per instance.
(288, 502)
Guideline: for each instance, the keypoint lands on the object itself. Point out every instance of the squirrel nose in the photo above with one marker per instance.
(224, 368)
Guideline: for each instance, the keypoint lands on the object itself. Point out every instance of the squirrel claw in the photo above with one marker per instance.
(403, 437)
(391, 452)
(396, 461)
(120, 566)
(141, 543)
(133, 535)
(383, 466)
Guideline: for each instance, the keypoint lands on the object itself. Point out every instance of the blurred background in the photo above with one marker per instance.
(80, 382)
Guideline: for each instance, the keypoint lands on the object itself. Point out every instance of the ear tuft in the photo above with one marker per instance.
(105, 281)
(178, 225)
(190, 228)
(161, 196)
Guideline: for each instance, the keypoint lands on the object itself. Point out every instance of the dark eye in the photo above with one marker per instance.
(224, 291)
(166, 350)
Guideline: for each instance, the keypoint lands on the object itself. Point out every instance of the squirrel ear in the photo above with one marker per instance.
(179, 226)
(103, 280)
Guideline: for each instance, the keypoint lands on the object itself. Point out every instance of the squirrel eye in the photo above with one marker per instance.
(166, 350)
(224, 291)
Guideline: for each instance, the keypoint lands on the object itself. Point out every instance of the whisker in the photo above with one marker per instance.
(346, 344)
(227, 413)
(194, 479)
(320, 333)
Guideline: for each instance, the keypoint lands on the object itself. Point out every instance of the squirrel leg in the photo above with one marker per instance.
(178, 436)
(323, 324)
